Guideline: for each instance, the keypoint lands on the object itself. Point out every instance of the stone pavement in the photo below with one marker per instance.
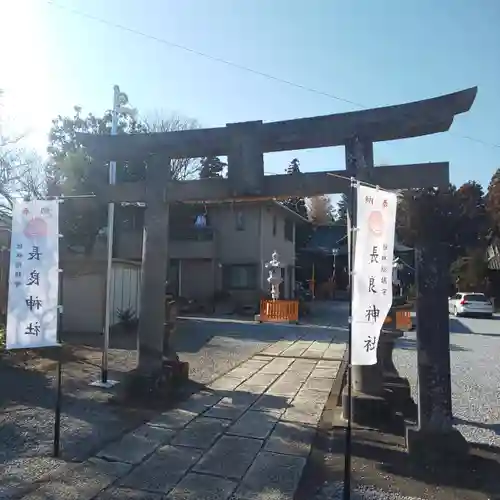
(246, 436)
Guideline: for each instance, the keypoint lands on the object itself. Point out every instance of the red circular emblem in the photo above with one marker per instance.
(376, 223)
(35, 228)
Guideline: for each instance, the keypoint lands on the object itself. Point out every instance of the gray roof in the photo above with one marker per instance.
(326, 238)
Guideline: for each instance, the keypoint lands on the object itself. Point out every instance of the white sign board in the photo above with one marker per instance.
(32, 311)
(372, 271)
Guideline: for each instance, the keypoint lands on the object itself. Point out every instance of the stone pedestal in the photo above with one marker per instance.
(434, 436)
(398, 387)
(368, 410)
(368, 403)
(154, 387)
(369, 406)
(436, 445)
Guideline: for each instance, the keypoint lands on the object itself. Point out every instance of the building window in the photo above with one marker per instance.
(240, 221)
(289, 230)
(240, 277)
(275, 225)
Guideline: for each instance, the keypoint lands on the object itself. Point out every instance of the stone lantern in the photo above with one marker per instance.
(274, 279)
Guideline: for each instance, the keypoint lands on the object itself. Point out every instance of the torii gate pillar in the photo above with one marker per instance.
(368, 404)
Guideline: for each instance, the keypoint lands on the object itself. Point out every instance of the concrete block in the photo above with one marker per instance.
(229, 457)
(271, 476)
(126, 493)
(330, 373)
(174, 419)
(82, 482)
(333, 365)
(297, 348)
(225, 383)
(274, 405)
(162, 470)
(335, 351)
(263, 379)
(277, 347)
(202, 487)
(254, 424)
(232, 407)
(318, 384)
(287, 389)
(309, 397)
(200, 433)
(200, 401)
(291, 438)
(134, 447)
(277, 366)
(252, 388)
(305, 412)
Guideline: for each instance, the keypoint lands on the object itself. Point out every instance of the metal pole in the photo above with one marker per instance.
(349, 241)
(57, 412)
(105, 382)
(348, 435)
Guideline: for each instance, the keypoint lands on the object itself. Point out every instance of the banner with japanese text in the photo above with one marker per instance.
(372, 270)
(32, 310)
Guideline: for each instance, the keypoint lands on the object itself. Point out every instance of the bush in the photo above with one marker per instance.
(127, 319)
(412, 291)
(2, 338)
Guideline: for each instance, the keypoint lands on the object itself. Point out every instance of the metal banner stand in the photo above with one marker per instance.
(348, 434)
(57, 410)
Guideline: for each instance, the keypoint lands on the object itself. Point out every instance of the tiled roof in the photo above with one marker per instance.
(326, 238)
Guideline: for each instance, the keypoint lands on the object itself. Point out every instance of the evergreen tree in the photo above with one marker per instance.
(297, 204)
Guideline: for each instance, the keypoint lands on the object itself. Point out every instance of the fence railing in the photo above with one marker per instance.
(399, 320)
(191, 234)
(279, 311)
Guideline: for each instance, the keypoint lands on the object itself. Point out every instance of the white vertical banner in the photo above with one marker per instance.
(32, 311)
(372, 270)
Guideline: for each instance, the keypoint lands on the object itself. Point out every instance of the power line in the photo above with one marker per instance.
(235, 65)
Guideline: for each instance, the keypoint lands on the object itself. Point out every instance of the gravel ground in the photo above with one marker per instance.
(475, 372)
(335, 491)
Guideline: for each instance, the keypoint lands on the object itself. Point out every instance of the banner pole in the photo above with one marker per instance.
(57, 410)
(348, 434)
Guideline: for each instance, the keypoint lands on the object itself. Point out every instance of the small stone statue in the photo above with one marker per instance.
(274, 279)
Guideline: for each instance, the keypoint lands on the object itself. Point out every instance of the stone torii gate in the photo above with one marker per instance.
(244, 144)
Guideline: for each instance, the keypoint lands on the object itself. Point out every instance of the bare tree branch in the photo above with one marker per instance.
(182, 168)
(319, 209)
(21, 173)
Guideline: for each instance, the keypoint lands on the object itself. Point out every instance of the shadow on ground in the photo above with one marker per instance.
(480, 425)
(192, 334)
(150, 474)
(380, 460)
(410, 344)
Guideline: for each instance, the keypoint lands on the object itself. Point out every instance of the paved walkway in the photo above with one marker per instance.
(247, 436)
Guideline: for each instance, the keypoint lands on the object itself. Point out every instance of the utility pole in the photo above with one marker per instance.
(120, 101)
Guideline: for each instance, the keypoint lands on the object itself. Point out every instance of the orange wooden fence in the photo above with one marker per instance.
(279, 310)
(402, 320)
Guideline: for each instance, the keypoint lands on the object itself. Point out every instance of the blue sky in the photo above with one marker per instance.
(372, 52)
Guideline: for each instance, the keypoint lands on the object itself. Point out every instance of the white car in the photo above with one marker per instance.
(470, 304)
